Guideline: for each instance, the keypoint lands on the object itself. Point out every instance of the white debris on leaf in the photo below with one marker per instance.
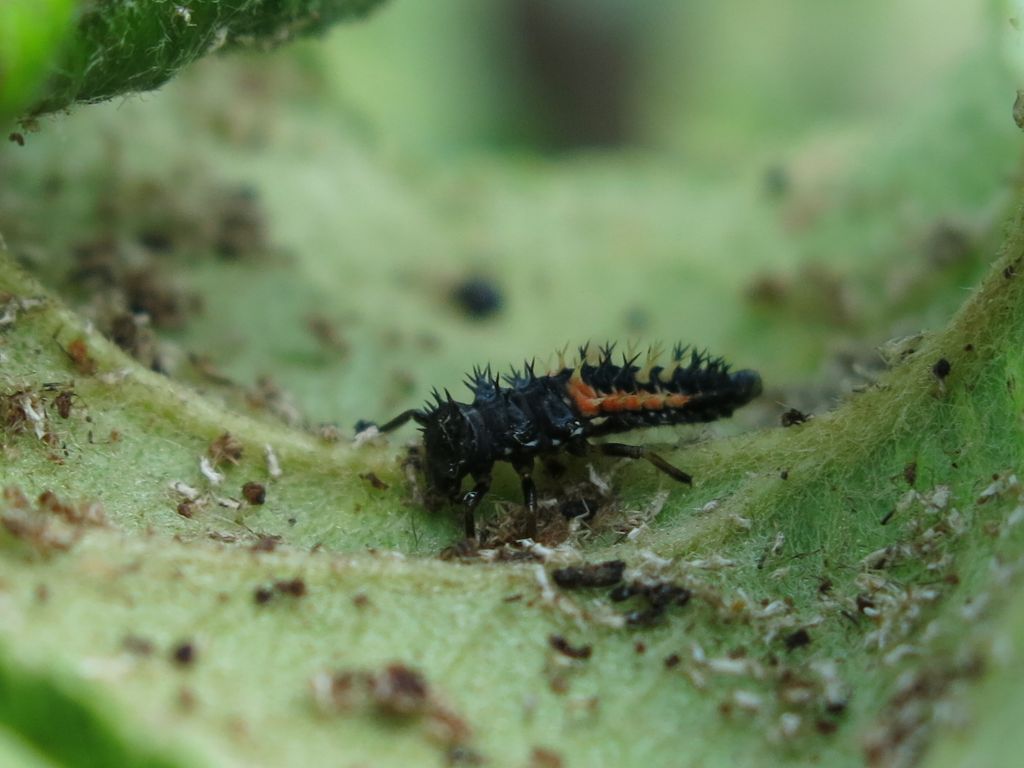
(748, 700)
(211, 474)
(597, 481)
(697, 654)
(547, 592)
(777, 544)
(112, 378)
(38, 418)
(368, 435)
(834, 689)
(636, 522)
(789, 724)
(12, 307)
(635, 533)
(774, 608)
(657, 504)
(724, 665)
(273, 464)
(1013, 520)
(708, 507)
(653, 559)
(550, 596)
(534, 548)
(710, 563)
(973, 609)
(885, 557)
(900, 652)
(743, 523)
(938, 498)
(184, 489)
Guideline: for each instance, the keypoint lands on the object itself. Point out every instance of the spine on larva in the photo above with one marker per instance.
(693, 387)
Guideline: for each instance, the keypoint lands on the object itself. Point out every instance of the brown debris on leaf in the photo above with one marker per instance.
(226, 449)
(241, 230)
(271, 398)
(541, 757)
(254, 493)
(327, 334)
(133, 334)
(920, 704)
(606, 574)
(78, 352)
(658, 595)
(30, 410)
(21, 411)
(564, 647)
(374, 481)
(294, 588)
(184, 654)
(814, 292)
(397, 691)
(49, 525)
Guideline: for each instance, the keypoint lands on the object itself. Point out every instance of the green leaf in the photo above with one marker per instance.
(118, 48)
(30, 33)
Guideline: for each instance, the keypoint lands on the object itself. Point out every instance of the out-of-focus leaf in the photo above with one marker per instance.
(30, 34)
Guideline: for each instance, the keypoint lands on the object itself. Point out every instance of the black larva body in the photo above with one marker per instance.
(529, 415)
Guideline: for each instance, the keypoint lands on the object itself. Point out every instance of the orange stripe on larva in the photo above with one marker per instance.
(590, 403)
(586, 399)
(611, 404)
(621, 401)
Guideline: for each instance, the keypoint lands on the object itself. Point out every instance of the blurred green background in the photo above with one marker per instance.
(802, 179)
(717, 87)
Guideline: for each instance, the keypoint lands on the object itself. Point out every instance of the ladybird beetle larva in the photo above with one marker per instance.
(521, 415)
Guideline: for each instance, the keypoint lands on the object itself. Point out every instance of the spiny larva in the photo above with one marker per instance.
(521, 415)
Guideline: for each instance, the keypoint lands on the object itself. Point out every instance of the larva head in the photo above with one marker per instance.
(449, 441)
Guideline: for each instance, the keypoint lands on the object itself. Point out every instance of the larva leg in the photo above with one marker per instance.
(525, 472)
(641, 452)
(470, 501)
(395, 423)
